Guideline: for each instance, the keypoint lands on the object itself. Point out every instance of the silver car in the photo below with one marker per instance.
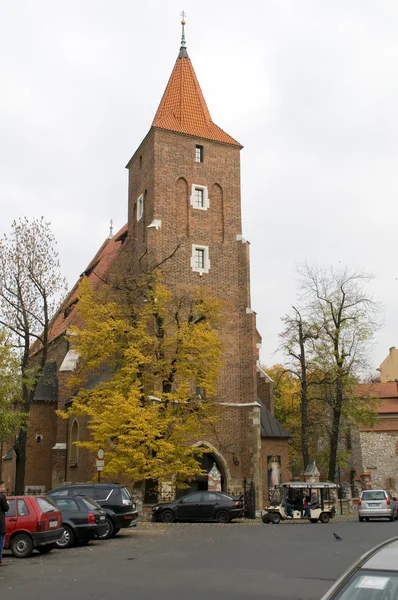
(373, 577)
(377, 504)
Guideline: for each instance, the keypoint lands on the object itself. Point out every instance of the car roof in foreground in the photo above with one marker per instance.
(385, 558)
(371, 560)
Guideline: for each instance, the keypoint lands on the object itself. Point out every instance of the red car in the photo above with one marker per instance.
(32, 522)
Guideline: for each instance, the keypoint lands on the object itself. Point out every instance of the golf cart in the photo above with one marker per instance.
(287, 502)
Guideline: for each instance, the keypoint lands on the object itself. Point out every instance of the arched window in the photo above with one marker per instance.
(74, 450)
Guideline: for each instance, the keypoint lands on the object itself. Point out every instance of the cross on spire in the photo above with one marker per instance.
(111, 229)
(183, 42)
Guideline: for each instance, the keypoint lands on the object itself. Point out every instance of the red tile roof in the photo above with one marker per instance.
(96, 269)
(387, 392)
(183, 108)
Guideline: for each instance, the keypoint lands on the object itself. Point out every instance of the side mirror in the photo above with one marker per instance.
(394, 498)
(181, 501)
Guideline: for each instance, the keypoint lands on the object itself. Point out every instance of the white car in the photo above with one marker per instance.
(377, 504)
(373, 577)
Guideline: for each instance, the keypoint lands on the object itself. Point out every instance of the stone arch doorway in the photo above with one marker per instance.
(201, 482)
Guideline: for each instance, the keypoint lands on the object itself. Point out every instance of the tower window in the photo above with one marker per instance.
(200, 197)
(140, 162)
(199, 153)
(140, 207)
(200, 262)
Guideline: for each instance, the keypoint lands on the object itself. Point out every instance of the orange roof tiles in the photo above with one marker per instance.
(387, 392)
(183, 108)
(101, 262)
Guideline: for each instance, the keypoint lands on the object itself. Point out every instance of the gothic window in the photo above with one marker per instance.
(199, 154)
(200, 262)
(74, 437)
(140, 207)
(200, 197)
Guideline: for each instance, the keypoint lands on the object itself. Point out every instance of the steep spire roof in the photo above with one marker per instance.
(183, 108)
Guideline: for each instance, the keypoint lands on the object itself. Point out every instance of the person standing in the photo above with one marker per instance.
(3, 509)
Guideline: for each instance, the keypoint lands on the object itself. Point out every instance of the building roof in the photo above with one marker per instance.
(96, 269)
(183, 108)
(270, 426)
(387, 392)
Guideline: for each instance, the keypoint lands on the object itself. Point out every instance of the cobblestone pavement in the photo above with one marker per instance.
(197, 561)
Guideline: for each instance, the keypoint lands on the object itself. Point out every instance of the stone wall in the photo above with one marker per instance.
(378, 453)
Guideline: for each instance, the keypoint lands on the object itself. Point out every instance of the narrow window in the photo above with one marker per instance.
(199, 154)
(199, 198)
(199, 258)
(74, 437)
(140, 162)
(140, 207)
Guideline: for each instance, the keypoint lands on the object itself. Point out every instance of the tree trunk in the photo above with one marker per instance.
(20, 451)
(334, 441)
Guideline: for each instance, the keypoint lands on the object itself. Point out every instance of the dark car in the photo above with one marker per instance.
(82, 519)
(199, 506)
(116, 500)
(373, 577)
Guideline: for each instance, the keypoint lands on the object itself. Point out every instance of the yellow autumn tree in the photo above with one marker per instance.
(158, 361)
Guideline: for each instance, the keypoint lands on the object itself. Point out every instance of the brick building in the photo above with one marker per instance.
(184, 194)
(375, 449)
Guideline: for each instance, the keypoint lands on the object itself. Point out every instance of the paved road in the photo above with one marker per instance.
(197, 561)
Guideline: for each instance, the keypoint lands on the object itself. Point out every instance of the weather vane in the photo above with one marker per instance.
(183, 43)
(111, 229)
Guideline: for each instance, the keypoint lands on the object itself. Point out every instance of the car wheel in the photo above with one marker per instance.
(223, 516)
(275, 518)
(361, 519)
(367, 519)
(21, 545)
(314, 520)
(109, 530)
(392, 518)
(324, 518)
(168, 516)
(46, 548)
(68, 538)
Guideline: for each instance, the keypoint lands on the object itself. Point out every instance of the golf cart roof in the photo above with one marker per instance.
(321, 485)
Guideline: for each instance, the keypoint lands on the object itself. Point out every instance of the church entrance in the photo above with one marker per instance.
(201, 483)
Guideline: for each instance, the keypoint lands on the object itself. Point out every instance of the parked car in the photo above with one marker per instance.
(373, 577)
(32, 522)
(376, 504)
(82, 519)
(116, 500)
(199, 506)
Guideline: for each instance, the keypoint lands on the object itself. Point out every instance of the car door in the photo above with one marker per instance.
(71, 512)
(190, 507)
(11, 519)
(211, 501)
(26, 516)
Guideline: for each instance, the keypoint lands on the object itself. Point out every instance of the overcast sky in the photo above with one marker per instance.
(309, 87)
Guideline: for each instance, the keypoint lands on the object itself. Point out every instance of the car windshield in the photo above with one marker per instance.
(46, 505)
(90, 503)
(372, 495)
(370, 585)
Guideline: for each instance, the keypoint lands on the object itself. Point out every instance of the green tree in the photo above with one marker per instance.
(10, 388)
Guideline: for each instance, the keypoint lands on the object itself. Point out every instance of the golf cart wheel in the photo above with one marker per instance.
(274, 518)
(314, 520)
(265, 518)
(324, 518)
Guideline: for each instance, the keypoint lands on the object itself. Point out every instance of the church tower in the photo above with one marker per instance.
(184, 192)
